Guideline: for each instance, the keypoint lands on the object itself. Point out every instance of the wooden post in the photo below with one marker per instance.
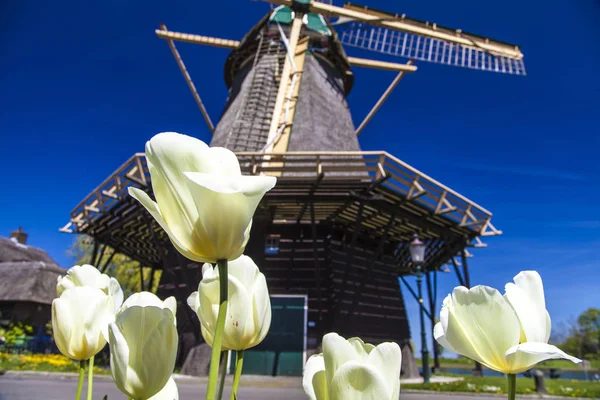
(381, 100)
(188, 80)
(313, 228)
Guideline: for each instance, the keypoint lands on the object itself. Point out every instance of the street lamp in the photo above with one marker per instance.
(417, 255)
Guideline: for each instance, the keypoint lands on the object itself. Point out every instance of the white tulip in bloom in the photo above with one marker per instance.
(88, 275)
(80, 318)
(143, 346)
(248, 316)
(203, 201)
(353, 370)
(146, 299)
(507, 334)
(169, 392)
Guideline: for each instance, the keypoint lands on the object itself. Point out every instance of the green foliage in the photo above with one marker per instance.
(583, 336)
(15, 333)
(121, 267)
(498, 385)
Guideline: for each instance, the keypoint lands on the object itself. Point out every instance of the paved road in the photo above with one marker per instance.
(34, 388)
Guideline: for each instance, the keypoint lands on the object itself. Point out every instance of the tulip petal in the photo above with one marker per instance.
(78, 275)
(226, 208)
(438, 335)
(221, 161)
(247, 273)
(362, 350)
(114, 289)
(169, 392)
(244, 270)
(208, 305)
(482, 325)
(386, 359)
(81, 315)
(119, 359)
(168, 154)
(356, 381)
(194, 301)
(239, 323)
(525, 355)
(262, 308)
(314, 379)
(336, 352)
(171, 304)
(61, 325)
(152, 342)
(153, 209)
(526, 296)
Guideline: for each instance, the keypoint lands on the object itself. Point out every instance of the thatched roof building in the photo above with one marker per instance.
(27, 281)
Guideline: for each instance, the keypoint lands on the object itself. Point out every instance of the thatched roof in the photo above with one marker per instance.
(10, 251)
(27, 273)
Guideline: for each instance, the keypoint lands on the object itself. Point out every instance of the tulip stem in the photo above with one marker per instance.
(512, 386)
(223, 375)
(80, 381)
(239, 363)
(213, 375)
(90, 378)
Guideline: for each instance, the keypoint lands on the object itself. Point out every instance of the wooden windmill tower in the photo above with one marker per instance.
(336, 228)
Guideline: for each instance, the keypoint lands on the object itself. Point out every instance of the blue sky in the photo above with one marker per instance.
(84, 86)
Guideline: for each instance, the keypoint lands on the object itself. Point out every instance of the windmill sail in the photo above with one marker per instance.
(423, 48)
(399, 35)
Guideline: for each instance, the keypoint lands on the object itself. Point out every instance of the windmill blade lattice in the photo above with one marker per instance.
(423, 48)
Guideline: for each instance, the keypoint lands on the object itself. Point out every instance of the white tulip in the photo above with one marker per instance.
(169, 392)
(88, 275)
(508, 334)
(143, 346)
(353, 370)
(203, 202)
(146, 299)
(80, 318)
(248, 316)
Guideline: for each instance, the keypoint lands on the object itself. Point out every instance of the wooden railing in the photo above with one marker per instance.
(386, 173)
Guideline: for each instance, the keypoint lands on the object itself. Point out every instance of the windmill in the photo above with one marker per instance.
(337, 226)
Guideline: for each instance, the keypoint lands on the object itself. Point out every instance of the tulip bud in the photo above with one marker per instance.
(203, 202)
(143, 346)
(351, 369)
(80, 318)
(88, 275)
(507, 334)
(248, 310)
(169, 392)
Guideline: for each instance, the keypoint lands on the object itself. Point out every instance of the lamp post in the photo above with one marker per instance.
(417, 255)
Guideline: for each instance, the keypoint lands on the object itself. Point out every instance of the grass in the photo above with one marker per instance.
(463, 362)
(557, 387)
(43, 363)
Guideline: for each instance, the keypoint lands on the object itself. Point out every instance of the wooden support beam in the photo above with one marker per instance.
(284, 85)
(458, 274)
(163, 33)
(384, 65)
(289, 109)
(383, 98)
(188, 79)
